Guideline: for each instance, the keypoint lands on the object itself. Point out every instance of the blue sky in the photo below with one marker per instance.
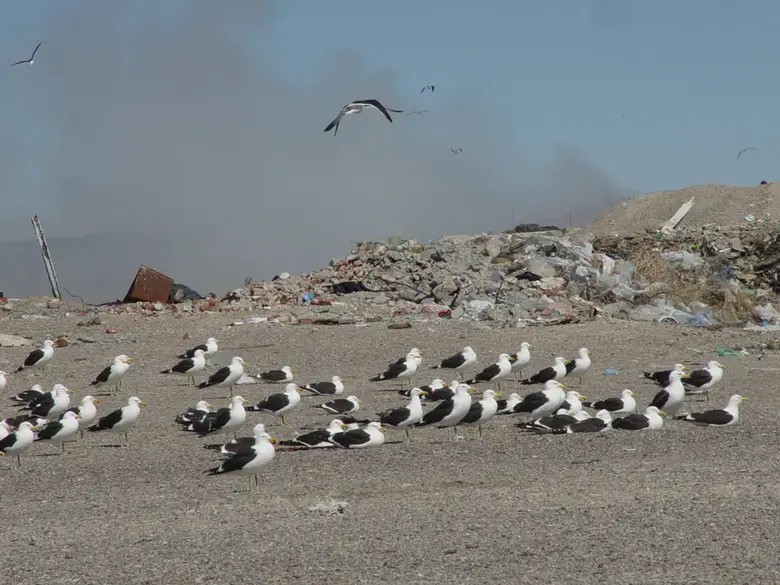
(134, 115)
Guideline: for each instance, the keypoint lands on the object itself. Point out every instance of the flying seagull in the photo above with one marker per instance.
(31, 60)
(357, 107)
(430, 87)
(456, 150)
(744, 149)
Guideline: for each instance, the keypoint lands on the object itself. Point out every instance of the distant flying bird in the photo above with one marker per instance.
(31, 60)
(456, 150)
(356, 107)
(431, 87)
(744, 149)
(417, 112)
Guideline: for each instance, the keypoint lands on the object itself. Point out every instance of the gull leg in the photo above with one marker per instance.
(127, 441)
(63, 447)
(408, 436)
(282, 417)
(479, 431)
(18, 461)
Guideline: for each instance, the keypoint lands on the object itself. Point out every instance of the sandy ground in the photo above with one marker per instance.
(682, 505)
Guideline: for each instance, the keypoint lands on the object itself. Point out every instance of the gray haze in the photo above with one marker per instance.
(175, 145)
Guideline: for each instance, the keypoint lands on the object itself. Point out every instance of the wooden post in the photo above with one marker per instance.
(47, 262)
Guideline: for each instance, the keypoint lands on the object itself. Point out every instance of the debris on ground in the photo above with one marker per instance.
(331, 507)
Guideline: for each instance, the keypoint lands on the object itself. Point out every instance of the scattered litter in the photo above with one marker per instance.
(256, 320)
(611, 372)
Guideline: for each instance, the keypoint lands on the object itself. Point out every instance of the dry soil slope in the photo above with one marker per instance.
(718, 204)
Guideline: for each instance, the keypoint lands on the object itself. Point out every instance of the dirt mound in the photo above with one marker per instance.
(714, 204)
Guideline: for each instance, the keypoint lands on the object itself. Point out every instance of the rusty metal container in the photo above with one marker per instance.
(150, 286)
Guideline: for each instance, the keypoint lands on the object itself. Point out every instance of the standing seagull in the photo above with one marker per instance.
(403, 368)
(451, 411)
(481, 411)
(121, 419)
(555, 372)
(61, 430)
(281, 403)
(189, 366)
(521, 360)
(346, 405)
(544, 402)
(335, 386)
(209, 348)
(405, 416)
(249, 462)
(86, 412)
(19, 441)
(700, 381)
(651, 420)
(670, 399)
(38, 358)
(717, 418)
(496, 372)
(31, 60)
(113, 373)
(661, 377)
(277, 376)
(357, 107)
(432, 88)
(579, 365)
(463, 359)
(227, 375)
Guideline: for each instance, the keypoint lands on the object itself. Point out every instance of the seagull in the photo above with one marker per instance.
(189, 366)
(717, 418)
(281, 403)
(481, 411)
(121, 419)
(371, 435)
(319, 438)
(346, 405)
(495, 372)
(744, 149)
(552, 422)
(600, 423)
(27, 396)
(456, 150)
(405, 416)
(277, 376)
(700, 381)
(250, 462)
(224, 420)
(662, 376)
(357, 107)
(463, 359)
(31, 60)
(508, 406)
(241, 445)
(450, 412)
(428, 389)
(227, 375)
(19, 441)
(544, 402)
(201, 409)
(652, 419)
(579, 365)
(432, 88)
(86, 411)
(61, 430)
(3, 380)
(5, 429)
(38, 358)
(670, 399)
(626, 404)
(335, 386)
(52, 403)
(403, 368)
(113, 373)
(209, 348)
(555, 372)
(522, 358)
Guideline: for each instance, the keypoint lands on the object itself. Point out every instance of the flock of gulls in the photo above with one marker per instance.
(53, 417)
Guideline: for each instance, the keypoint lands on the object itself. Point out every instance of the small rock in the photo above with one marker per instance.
(402, 325)
(93, 321)
(112, 331)
(61, 342)
(85, 339)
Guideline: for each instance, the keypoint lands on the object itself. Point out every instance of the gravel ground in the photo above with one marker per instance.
(681, 505)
